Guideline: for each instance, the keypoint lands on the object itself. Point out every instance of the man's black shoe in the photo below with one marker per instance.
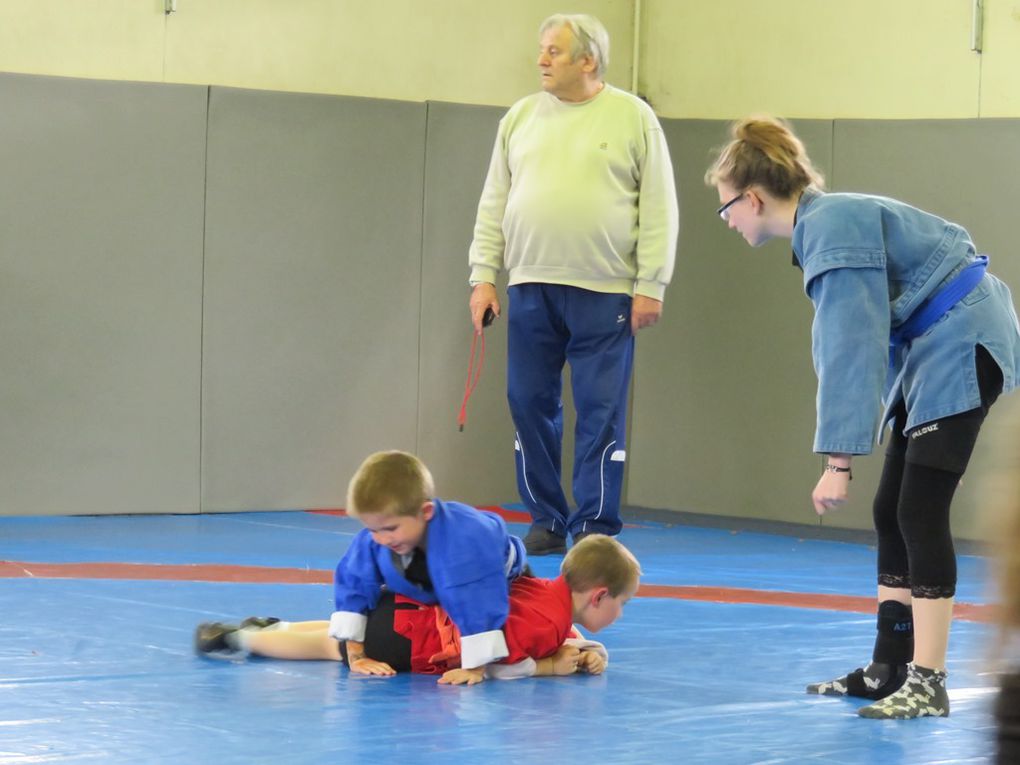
(541, 541)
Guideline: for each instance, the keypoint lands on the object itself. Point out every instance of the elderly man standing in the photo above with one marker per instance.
(580, 207)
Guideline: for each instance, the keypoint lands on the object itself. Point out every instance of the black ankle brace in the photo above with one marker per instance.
(894, 643)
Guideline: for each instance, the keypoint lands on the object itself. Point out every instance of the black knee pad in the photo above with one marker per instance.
(893, 566)
(925, 502)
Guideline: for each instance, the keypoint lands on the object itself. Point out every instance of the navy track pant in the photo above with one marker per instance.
(549, 325)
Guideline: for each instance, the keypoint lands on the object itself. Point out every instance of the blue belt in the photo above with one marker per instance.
(935, 307)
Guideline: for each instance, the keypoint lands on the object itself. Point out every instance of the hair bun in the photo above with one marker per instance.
(765, 151)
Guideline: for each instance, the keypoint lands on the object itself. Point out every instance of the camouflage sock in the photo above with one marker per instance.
(874, 681)
(894, 648)
(923, 694)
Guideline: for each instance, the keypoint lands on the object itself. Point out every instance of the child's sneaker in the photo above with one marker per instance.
(213, 639)
(259, 622)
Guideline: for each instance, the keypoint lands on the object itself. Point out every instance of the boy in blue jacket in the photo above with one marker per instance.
(426, 549)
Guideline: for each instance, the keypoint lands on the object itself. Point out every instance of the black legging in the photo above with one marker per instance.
(922, 470)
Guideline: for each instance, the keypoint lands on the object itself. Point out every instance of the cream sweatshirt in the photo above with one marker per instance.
(580, 194)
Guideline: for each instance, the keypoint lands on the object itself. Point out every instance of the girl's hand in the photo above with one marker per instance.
(831, 491)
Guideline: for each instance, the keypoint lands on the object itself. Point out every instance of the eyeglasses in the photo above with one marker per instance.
(724, 211)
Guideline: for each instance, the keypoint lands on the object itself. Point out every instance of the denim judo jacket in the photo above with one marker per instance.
(870, 262)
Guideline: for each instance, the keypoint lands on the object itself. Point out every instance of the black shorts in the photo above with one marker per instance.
(947, 443)
(381, 642)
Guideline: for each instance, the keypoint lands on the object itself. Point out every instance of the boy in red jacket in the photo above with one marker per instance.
(598, 576)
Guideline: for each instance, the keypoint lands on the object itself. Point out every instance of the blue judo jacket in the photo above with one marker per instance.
(471, 558)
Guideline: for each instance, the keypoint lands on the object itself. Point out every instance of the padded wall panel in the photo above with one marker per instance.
(724, 387)
(313, 271)
(100, 295)
(962, 170)
(476, 465)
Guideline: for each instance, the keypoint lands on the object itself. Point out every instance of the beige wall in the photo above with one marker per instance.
(717, 59)
(1000, 82)
(113, 40)
(462, 51)
(805, 58)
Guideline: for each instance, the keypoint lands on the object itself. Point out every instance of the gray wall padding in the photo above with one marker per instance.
(964, 170)
(313, 272)
(724, 399)
(724, 387)
(476, 465)
(101, 195)
(324, 314)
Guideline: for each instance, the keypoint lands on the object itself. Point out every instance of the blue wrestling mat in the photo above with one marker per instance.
(102, 669)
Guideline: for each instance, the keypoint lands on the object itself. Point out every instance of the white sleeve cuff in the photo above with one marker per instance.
(482, 274)
(347, 625)
(524, 668)
(589, 645)
(653, 290)
(482, 648)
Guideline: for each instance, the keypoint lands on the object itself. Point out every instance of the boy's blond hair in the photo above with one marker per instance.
(601, 561)
(390, 483)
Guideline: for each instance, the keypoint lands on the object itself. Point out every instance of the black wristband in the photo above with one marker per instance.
(830, 468)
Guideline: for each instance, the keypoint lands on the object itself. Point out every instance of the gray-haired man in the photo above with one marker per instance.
(579, 207)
